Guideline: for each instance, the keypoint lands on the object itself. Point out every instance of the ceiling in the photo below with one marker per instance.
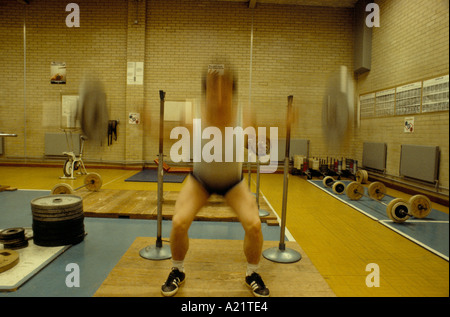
(321, 3)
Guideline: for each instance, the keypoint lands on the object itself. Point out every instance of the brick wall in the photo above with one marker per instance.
(410, 45)
(181, 39)
(96, 48)
(295, 50)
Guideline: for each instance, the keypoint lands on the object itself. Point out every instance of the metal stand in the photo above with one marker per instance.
(159, 251)
(281, 254)
(262, 212)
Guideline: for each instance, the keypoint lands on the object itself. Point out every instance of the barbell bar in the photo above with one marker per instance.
(92, 182)
(338, 187)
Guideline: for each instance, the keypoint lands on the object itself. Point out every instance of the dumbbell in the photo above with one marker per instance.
(398, 210)
(92, 181)
(338, 187)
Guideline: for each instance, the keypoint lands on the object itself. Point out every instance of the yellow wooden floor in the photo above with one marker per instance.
(339, 240)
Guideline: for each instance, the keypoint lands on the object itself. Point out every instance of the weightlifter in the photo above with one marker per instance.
(224, 178)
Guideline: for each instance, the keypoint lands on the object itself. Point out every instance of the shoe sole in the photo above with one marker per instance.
(172, 293)
(256, 294)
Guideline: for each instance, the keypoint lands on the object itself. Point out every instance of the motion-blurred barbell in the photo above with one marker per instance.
(92, 182)
(92, 111)
(398, 210)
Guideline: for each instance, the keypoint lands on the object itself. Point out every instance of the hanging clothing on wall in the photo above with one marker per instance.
(112, 130)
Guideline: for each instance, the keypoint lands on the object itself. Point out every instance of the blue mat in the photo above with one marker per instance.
(151, 175)
(112, 236)
(431, 232)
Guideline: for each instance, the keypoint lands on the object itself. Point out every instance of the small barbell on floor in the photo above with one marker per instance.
(398, 210)
(338, 187)
(92, 182)
(362, 176)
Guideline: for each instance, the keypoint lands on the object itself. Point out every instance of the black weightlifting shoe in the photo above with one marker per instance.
(175, 279)
(256, 284)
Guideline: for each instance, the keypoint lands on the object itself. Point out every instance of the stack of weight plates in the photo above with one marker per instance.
(13, 238)
(57, 220)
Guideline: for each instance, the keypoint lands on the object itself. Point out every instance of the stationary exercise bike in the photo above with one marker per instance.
(73, 162)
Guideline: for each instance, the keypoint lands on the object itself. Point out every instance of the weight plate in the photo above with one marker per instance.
(58, 242)
(420, 206)
(362, 176)
(359, 176)
(8, 259)
(354, 190)
(62, 189)
(377, 190)
(93, 181)
(398, 210)
(56, 201)
(56, 207)
(58, 233)
(13, 238)
(57, 215)
(67, 168)
(327, 181)
(338, 188)
(366, 176)
(12, 234)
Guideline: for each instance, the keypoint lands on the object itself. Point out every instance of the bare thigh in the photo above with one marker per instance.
(191, 199)
(241, 200)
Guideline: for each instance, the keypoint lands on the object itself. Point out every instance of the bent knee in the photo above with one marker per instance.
(252, 226)
(180, 223)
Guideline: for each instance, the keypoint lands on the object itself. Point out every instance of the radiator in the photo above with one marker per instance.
(420, 162)
(296, 147)
(374, 156)
(56, 144)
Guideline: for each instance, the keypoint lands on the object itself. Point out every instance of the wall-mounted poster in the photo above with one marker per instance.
(135, 73)
(435, 94)
(134, 118)
(58, 73)
(408, 98)
(69, 107)
(367, 105)
(409, 125)
(385, 102)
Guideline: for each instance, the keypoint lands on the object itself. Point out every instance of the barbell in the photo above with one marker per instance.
(338, 187)
(362, 176)
(92, 182)
(398, 210)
